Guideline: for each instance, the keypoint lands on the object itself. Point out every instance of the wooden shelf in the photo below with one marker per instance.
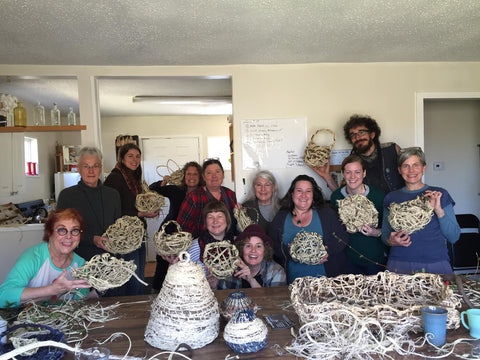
(41, 128)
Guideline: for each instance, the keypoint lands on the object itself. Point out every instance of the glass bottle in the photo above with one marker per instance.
(20, 115)
(39, 115)
(55, 115)
(71, 117)
(3, 115)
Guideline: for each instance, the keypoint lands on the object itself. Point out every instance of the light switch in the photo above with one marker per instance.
(438, 166)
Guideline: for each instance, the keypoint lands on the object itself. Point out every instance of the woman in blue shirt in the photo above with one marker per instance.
(424, 250)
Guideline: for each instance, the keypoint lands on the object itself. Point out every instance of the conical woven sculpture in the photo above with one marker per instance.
(185, 311)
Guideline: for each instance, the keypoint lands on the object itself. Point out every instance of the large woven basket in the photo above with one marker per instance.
(185, 310)
(318, 155)
(390, 298)
(172, 244)
(149, 201)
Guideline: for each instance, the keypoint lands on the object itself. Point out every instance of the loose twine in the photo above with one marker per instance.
(220, 257)
(125, 235)
(410, 216)
(355, 211)
(316, 155)
(307, 248)
(105, 272)
(149, 201)
(176, 176)
(172, 244)
(243, 219)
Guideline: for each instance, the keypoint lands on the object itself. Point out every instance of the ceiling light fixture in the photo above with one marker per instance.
(184, 100)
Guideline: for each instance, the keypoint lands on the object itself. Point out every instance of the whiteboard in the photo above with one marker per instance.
(273, 143)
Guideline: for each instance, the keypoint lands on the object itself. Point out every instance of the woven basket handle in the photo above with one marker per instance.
(324, 130)
(164, 226)
(170, 168)
(158, 167)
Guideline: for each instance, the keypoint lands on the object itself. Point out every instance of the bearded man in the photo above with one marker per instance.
(380, 160)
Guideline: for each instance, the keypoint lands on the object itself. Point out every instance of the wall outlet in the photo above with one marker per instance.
(438, 166)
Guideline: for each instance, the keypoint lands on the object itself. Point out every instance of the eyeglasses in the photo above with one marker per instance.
(362, 132)
(212, 159)
(94, 167)
(63, 231)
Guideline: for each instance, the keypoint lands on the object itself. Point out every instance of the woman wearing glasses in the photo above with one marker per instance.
(190, 215)
(43, 271)
(424, 250)
(263, 202)
(126, 178)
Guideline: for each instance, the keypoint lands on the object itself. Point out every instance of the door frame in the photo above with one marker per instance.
(420, 98)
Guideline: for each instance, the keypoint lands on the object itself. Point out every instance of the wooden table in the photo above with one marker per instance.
(135, 316)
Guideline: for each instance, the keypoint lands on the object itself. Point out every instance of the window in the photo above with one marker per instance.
(31, 156)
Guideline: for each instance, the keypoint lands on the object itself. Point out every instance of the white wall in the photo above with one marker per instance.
(327, 94)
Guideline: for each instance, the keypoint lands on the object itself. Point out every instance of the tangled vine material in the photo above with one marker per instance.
(172, 244)
(125, 235)
(307, 248)
(410, 216)
(316, 155)
(220, 258)
(105, 272)
(243, 220)
(357, 316)
(355, 211)
(74, 318)
(149, 201)
(176, 176)
(185, 310)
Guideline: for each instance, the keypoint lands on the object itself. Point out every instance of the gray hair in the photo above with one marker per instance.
(267, 175)
(89, 150)
(411, 151)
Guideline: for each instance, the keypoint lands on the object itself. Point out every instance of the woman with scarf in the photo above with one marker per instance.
(126, 178)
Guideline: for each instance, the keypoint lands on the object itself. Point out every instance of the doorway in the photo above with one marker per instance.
(451, 127)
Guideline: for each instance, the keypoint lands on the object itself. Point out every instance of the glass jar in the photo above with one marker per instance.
(55, 115)
(71, 118)
(3, 115)
(39, 115)
(19, 115)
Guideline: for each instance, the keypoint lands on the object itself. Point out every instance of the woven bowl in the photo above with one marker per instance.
(236, 301)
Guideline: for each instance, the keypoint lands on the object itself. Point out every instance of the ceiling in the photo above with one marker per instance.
(221, 32)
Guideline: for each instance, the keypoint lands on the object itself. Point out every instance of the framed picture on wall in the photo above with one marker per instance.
(121, 140)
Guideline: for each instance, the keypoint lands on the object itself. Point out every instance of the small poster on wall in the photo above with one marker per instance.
(273, 143)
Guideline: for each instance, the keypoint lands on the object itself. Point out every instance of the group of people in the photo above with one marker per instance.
(201, 205)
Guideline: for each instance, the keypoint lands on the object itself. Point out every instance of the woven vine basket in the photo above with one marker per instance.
(220, 257)
(410, 216)
(318, 155)
(176, 176)
(390, 298)
(124, 235)
(185, 310)
(149, 201)
(172, 244)
(355, 211)
(307, 248)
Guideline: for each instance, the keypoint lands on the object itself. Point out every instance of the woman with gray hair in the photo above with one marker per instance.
(423, 250)
(263, 199)
(99, 205)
